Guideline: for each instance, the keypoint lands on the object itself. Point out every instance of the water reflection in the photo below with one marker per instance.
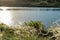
(14, 15)
(5, 16)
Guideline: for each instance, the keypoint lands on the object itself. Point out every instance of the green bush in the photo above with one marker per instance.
(35, 24)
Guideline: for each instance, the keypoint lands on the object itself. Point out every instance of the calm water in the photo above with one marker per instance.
(13, 16)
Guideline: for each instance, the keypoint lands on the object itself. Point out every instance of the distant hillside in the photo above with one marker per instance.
(30, 3)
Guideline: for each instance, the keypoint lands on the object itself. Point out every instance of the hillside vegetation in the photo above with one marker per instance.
(30, 3)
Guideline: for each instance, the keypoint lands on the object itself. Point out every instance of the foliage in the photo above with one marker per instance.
(35, 24)
(28, 31)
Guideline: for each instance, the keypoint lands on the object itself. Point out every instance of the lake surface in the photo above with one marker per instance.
(18, 15)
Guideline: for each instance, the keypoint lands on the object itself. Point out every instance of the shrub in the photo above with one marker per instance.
(35, 24)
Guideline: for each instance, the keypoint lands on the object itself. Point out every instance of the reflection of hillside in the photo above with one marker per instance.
(30, 3)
